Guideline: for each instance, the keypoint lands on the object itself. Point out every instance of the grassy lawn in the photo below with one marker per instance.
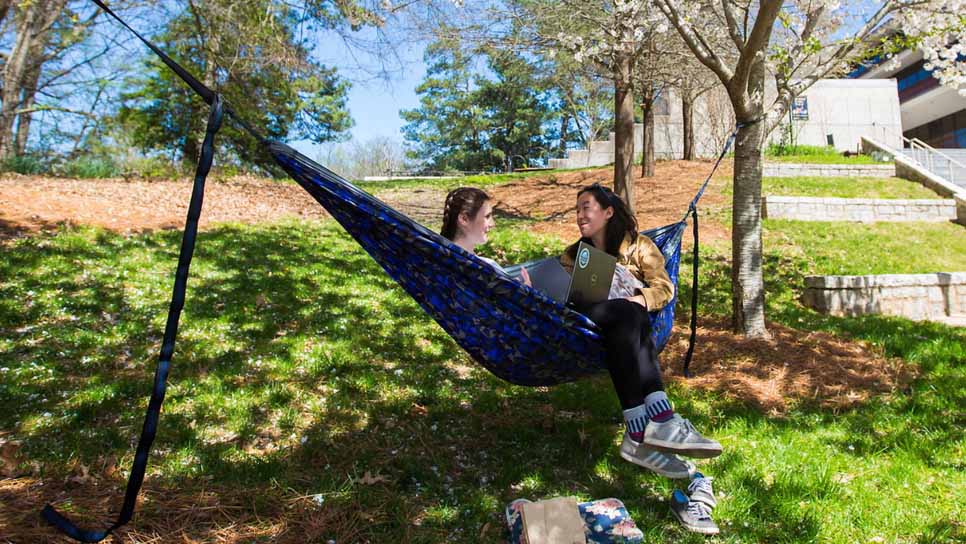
(833, 187)
(306, 382)
(448, 184)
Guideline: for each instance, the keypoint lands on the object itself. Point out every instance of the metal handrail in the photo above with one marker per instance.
(915, 144)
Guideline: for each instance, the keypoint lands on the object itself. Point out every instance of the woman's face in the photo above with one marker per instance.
(475, 229)
(591, 218)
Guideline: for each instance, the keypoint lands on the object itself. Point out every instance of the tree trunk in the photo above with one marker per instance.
(748, 292)
(687, 114)
(27, 102)
(647, 135)
(624, 131)
(33, 24)
(564, 135)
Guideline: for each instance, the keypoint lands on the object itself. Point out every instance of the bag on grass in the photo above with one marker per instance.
(603, 521)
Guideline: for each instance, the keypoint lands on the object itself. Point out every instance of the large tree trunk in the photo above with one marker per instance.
(624, 131)
(748, 291)
(687, 115)
(647, 135)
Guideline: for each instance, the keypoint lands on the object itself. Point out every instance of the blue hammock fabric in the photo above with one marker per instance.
(515, 332)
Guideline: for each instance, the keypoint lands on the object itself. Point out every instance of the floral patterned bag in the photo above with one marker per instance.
(606, 521)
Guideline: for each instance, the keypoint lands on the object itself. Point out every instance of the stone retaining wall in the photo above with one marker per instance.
(789, 170)
(916, 296)
(857, 209)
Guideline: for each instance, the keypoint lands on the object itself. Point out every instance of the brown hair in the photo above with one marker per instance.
(462, 200)
(621, 224)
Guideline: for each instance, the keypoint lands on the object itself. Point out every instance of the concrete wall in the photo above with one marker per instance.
(867, 210)
(916, 296)
(845, 108)
(786, 170)
(848, 109)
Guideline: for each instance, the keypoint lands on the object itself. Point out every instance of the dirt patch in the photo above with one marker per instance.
(29, 203)
(793, 367)
(659, 200)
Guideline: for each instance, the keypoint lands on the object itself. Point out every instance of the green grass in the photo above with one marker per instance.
(811, 154)
(481, 181)
(300, 365)
(833, 187)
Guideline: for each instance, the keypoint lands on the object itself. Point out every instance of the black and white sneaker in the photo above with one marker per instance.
(694, 515)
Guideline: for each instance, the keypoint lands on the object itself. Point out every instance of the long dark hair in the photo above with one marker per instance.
(462, 200)
(621, 224)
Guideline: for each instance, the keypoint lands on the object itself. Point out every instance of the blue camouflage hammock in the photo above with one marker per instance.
(514, 331)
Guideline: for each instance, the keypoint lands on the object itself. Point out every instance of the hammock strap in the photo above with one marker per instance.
(693, 210)
(198, 87)
(149, 430)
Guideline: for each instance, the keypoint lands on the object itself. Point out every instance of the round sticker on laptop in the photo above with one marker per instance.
(583, 258)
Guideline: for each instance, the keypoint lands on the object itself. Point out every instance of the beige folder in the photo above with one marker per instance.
(553, 521)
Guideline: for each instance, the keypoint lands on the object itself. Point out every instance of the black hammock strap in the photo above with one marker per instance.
(150, 428)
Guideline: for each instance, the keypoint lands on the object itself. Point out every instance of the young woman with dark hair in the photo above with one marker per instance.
(654, 433)
(467, 218)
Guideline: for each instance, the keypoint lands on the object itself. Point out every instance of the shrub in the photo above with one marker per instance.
(88, 166)
(778, 150)
(24, 164)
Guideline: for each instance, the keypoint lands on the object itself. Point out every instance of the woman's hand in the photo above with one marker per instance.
(525, 277)
(638, 299)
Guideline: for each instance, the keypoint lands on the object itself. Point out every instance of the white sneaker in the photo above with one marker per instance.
(665, 464)
(700, 490)
(694, 515)
(677, 435)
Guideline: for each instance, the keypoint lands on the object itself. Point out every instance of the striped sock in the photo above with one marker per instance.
(636, 419)
(658, 407)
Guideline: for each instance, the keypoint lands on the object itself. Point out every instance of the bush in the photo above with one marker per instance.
(778, 150)
(24, 164)
(88, 166)
(152, 168)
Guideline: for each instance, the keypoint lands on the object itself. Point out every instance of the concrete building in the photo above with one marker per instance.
(931, 112)
(833, 112)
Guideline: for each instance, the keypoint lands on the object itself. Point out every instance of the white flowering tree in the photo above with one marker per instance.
(796, 42)
(610, 36)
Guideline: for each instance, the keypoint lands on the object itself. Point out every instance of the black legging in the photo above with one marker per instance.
(631, 357)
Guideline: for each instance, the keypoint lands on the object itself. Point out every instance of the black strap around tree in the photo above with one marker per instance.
(149, 430)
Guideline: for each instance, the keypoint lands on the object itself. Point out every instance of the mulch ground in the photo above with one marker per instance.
(791, 368)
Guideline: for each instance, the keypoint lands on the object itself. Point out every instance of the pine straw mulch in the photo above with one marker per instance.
(211, 514)
(32, 203)
(659, 200)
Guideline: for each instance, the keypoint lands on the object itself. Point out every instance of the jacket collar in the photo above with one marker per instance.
(625, 245)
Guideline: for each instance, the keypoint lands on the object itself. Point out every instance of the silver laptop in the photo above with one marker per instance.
(589, 283)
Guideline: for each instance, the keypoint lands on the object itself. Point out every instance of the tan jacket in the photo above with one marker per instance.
(643, 259)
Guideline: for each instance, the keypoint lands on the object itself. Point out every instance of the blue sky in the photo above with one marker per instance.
(374, 101)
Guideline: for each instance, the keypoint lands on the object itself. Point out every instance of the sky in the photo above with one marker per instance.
(374, 101)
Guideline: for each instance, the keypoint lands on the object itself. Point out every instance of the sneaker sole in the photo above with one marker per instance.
(667, 474)
(694, 528)
(706, 452)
